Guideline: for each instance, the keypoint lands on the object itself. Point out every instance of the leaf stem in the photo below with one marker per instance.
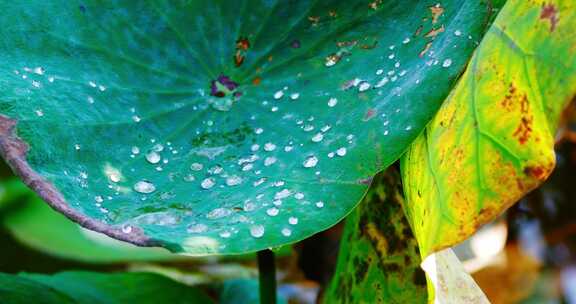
(267, 276)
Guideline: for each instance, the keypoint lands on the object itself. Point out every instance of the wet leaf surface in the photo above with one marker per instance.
(220, 127)
(492, 140)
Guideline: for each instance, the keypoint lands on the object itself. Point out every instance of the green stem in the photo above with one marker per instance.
(267, 276)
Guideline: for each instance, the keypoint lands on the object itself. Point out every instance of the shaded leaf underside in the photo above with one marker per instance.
(220, 126)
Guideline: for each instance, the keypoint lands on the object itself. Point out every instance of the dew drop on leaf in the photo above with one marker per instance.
(144, 186)
(257, 231)
(310, 162)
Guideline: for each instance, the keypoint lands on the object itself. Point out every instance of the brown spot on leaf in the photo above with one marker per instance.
(242, 45)
(436, 11)
(524, 129)
(434, 32)
(426, 48)
(550, 13)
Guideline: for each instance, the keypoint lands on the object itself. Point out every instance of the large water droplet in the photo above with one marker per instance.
(153, 157)
(144, 186)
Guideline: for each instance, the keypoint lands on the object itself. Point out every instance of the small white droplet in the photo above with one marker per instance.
(286, 232)
(332, 102)
(293, 220)
(257, 231)
(268, 161)
(225, 234)
(341, 151)
(310, 162)
(294, 96)
(406, 40)
(363, 86)
(196, 166)
(299, 195)
(318, 137)
(233, 180)
(258, 130)
(126, 228)
(269, 147)
(284, 193)
(99, 199)
(197, 228)
(208, 183)
(144, 186)
(135, 150)
(447, 63)
(254, 147)
(457, 33)
(320, 204)
(278, 94)
(272, 211)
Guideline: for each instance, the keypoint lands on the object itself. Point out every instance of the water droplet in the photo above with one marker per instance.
(225, 234)
(259, 182)
(332, 102)
(318, 137)
(331, 155)
(258, 130)
(196, 166)
(254, 147)
(247, 167)
(233, 180)
(39, 71)
(293, 220)
(257, 231)
(299, 195)
(269, 147)
(218, 213)
(286, 232)
(294, 96)
(197, 228)
(268, 161)
(320, 204)
(278, 94)
(135, 150)
(153, 157)
(39, 113)
(310, 162)
(282, 194)
(408, 128)
(447, 63)
(126, 229)
(272, 211)
(341, 151)
(406, 40)
(208, 183)
(457, 33)
(99, 199)
(144, 186)
(288, 148)
(215, 170)
(363, 86)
